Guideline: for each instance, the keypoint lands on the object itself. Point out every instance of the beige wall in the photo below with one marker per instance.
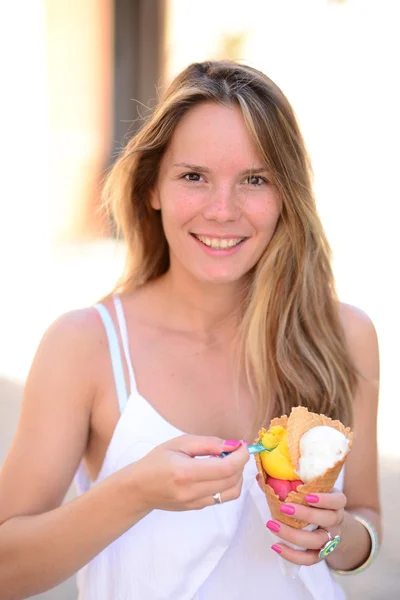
(56, 63)
(79, 41)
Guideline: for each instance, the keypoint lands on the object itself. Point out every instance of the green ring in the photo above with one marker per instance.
(329, 547)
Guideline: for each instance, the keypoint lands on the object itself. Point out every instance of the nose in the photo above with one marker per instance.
(223, 205)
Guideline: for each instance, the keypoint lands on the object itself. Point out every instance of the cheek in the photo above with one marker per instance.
(179, 208)
(264, 215)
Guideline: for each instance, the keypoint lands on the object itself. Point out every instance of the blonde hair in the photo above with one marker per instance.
(292, 344)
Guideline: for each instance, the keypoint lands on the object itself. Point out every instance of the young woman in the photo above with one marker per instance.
(225, 317)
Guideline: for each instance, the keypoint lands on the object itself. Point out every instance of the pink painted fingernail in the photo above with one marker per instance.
(245, 443)
(276, 548)
(273, 526)
(234, 443)
(287, 510)
(312, 498)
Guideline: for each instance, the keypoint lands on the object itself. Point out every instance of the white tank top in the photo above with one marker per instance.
(220, 551)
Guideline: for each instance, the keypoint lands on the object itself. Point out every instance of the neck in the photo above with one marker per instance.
(208, 310)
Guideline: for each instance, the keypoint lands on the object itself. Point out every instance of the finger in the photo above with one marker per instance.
(309, 540)
(216, 469)
(297, 557)
(207, 489)
(335, 500)
(227, 495)
(199, 445)
(322, 517)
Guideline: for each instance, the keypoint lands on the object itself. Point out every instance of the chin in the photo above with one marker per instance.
(219, 277)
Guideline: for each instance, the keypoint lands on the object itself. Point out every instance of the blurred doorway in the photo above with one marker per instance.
(139, 27)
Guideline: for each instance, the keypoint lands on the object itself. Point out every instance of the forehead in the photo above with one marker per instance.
(209, 133)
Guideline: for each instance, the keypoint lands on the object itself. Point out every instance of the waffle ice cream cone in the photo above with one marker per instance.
(300, 421)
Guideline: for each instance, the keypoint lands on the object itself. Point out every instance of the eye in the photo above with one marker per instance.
(255, 180)
(192, 177)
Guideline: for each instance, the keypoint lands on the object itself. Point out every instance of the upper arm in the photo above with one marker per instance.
(54, 420)
(361, 471)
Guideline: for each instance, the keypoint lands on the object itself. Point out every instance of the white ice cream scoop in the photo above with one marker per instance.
(320, 448)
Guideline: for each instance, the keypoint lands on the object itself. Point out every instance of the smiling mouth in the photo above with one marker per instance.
(219, 243)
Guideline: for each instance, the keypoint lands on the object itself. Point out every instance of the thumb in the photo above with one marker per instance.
(260, 482)
(200, 445)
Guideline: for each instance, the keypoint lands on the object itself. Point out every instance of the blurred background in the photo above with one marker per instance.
(80, 75)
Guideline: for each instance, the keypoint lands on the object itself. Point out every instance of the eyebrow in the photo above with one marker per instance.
(201, 169)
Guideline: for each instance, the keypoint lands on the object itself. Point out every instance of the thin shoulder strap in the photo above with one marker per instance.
(116, 358)
(125, 340)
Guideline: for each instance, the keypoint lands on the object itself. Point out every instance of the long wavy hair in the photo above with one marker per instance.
(292, 345)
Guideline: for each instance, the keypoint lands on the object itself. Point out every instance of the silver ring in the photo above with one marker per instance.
(217, 498)
(328, 533)
(330, 545)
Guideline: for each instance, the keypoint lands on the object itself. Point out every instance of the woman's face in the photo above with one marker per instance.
(218, 208)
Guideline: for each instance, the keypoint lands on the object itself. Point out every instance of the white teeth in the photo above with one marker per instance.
(219, 244)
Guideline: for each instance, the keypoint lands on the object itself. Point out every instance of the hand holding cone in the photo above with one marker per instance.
(297, 424)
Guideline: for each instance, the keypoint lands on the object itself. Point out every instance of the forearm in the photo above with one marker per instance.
(355, 545)
(38, 552)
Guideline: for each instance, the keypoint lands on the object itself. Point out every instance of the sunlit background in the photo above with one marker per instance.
(79, 75)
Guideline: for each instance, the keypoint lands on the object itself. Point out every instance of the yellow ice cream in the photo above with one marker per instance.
(277, 463)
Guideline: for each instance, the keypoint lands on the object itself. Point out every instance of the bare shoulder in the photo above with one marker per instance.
(362, 340)
(78, 328)
(66, 367)
(361, 474)
(55, 415)
(355, 320)
(74, 345)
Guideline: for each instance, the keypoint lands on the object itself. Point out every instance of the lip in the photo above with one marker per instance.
(232, 236)
(214, 251)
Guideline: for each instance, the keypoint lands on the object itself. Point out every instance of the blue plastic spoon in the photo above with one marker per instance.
(253, 449)
(258, 448)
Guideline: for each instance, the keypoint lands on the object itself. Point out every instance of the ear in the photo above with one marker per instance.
(155, 199)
